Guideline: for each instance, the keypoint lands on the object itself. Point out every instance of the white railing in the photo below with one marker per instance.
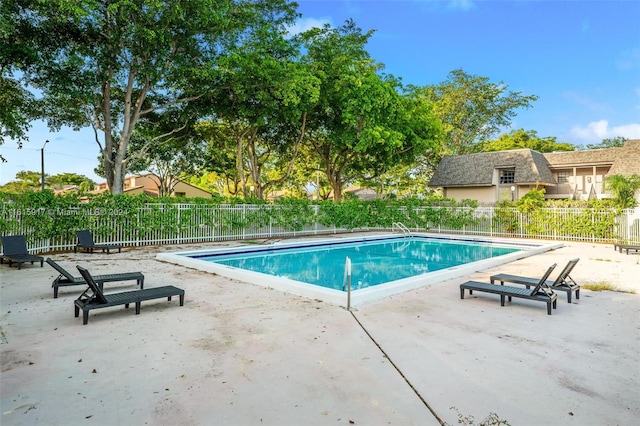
(191, 223)
(555, 224)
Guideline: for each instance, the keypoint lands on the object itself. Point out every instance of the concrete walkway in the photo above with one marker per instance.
(242, 354)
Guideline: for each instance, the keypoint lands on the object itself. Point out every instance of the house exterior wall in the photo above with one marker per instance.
(148, 184)
(489, 194)
(583, 182)
(483, 194)
(185, 190)
(134, 191)
(99, 187)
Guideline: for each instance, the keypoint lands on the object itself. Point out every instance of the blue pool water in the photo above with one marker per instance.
(373, 262)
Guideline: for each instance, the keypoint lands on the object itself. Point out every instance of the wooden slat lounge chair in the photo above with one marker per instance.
(66, 279)
(541, 292)
(85, 241)
(14, 250)
(627, 248)
(563, 282)
(94, 298)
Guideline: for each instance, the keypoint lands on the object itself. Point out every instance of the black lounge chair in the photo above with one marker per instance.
(627, 248)
(14, 249)
(541, 292)
(85, 241)
(66, 279)
(94, 298)
(563, 282)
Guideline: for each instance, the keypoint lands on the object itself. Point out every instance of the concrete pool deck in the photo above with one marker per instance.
(243, 354)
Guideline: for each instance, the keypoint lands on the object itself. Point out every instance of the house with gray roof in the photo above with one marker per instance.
(493, 176)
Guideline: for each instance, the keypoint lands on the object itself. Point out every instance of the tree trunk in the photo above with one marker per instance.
(118, 180)
(336, 185)
(337, 192)
(239, 164)
(132, 111)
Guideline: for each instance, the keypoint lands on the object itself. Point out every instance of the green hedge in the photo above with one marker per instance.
(49, 216)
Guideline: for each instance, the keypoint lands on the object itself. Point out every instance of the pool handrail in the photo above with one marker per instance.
(406, 231)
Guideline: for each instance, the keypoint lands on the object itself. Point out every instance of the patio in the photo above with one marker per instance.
(242, 354)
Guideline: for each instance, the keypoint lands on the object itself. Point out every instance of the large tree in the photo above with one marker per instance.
(19, 106)
(110, 63)
(473, 109)
(361, 125)
(264, 100)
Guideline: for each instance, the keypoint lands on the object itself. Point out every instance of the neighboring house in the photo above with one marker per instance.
(493, 176)
(363, 194)
(148, 184)
(66, 189)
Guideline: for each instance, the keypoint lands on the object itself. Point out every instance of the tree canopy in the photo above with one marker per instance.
(362, 124)
(264, 101)
(27, 180)
(19, 105)
(110, 64)
(17, 112)
(518, 139)
(616, 142)
(473, 109)
(219, 88)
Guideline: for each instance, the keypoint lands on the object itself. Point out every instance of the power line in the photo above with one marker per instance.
(72, 156)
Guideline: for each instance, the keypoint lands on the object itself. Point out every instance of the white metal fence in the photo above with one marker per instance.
(192, 223)
(566, 224)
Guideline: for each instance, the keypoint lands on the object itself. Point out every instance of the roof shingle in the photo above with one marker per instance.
(477, 169)
(532, 166)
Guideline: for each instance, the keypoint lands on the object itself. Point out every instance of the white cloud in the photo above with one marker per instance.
(305, 24)
(598, 130)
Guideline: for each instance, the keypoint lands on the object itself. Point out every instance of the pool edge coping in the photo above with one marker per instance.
(366, 295)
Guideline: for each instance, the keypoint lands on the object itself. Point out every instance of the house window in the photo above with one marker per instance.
(507, 176)
(563, 177)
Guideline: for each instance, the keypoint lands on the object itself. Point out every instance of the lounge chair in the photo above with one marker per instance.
(66, 279)
(94, 298)
(14, 249)
(563, 282)
(626, 247)
(541, 292)
(85, 241)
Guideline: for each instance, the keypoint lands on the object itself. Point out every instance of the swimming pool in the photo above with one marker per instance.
(381, 265)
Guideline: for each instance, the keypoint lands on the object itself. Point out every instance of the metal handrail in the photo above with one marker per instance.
(406, 231)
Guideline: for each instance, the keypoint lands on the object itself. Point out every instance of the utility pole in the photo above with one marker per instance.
(42, 163)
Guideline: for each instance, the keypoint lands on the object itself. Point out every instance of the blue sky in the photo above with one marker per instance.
(582, 58)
